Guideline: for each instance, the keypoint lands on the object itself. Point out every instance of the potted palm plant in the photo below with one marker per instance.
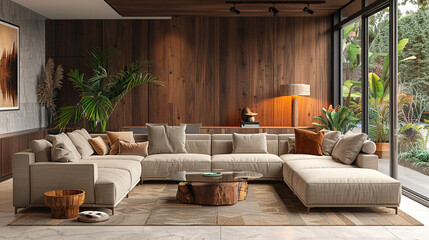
(101, 92)
(339, 119)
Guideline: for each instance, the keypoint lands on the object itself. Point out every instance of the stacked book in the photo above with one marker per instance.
(249, 124)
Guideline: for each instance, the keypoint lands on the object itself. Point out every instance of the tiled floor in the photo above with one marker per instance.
(418, 211)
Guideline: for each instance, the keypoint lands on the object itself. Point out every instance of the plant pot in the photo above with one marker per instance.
(382, 149)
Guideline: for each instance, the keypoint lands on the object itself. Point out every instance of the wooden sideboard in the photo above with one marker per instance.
(237, 129)
(15, 142)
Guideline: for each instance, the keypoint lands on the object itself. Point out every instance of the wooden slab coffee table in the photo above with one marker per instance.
(227, 189)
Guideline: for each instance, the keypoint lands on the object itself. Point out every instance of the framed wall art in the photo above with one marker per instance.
(9, 66)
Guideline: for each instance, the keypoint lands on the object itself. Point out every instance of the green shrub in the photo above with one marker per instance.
(415, 153)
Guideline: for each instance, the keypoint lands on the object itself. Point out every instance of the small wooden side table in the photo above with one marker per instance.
(64, 203)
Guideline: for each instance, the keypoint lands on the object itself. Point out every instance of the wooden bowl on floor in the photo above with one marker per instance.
(64, 203)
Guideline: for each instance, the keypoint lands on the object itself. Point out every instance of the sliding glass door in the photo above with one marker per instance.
(413, 96)
(371, 88)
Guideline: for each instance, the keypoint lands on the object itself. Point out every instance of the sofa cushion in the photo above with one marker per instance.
(369, 147)
(301, 157)
(41, 149)
(346, 186)
(81, 143)
(222, 144)
(331, 138)
(158, 166)
(116, 157)
(115, 137)
(111, 186)
(269, 165)
(290, 167)
(308, 142)
(139, 149)
(133, 168)
(166, 139)
(348, 147)
(249, 143)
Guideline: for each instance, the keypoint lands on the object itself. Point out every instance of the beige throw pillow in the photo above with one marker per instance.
(41, 149)
(166, 139)
(139, 148)
(99, 145)
(115, 137)
(249, 143)
(291, 145)
(80, 141)
(62, 150)
(348, 147)
(65, 143)
(369, 147)
(331, 138)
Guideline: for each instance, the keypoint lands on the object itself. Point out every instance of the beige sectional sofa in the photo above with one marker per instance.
(319, 181)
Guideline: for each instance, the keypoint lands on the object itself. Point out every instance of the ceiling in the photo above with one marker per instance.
(216, 8)
(120, 9)
(71, 9)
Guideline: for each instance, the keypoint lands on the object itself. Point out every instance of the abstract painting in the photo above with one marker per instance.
(9, 66)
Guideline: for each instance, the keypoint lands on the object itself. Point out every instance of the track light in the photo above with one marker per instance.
(234, 10)
(274, 10)
(308, 10)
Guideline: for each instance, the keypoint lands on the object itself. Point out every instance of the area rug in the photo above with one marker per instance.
(267, 204)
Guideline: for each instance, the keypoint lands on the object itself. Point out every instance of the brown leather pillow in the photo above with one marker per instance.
(307, 142)
(115, 137)
(99, 145)
(139, 148)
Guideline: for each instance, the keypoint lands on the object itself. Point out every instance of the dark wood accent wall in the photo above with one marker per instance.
(212, 66)
(15, 142)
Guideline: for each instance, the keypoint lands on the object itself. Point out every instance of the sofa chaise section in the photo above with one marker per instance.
(346, 187)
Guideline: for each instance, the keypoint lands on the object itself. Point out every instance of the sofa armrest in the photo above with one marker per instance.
(367, 161)
(47, 176)
(21, 162)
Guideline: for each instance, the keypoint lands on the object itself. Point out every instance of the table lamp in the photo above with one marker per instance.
(295, 90)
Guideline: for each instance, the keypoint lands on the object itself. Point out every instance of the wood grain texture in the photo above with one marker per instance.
(13, 143)
(212, 67)
(214, 194)
(64, 203)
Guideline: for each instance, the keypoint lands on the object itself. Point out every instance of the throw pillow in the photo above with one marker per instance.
(66, 143)
(62, 150)
(139, 148)
(99, 145)
(331, 138)
(369, 147)
(115, 137)
(348, 147)
(166, 139)
(249, 143)
(307, 142)
(81, 143)
(291, 145)
(41, 149)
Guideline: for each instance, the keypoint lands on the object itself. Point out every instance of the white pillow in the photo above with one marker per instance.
(66, 143)
(166, 139)
(369, 147)
(249, 143)
(348, 147)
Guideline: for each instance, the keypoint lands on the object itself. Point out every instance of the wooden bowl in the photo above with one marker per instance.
(64, 203)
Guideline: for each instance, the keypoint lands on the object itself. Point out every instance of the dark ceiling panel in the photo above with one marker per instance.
(147, 8)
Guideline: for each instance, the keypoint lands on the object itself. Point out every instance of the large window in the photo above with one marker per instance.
(351, 68)
(365, 62)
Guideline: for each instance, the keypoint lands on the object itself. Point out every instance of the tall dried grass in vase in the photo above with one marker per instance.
(48, 88)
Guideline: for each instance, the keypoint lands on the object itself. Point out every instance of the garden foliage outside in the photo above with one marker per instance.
(413, 78)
